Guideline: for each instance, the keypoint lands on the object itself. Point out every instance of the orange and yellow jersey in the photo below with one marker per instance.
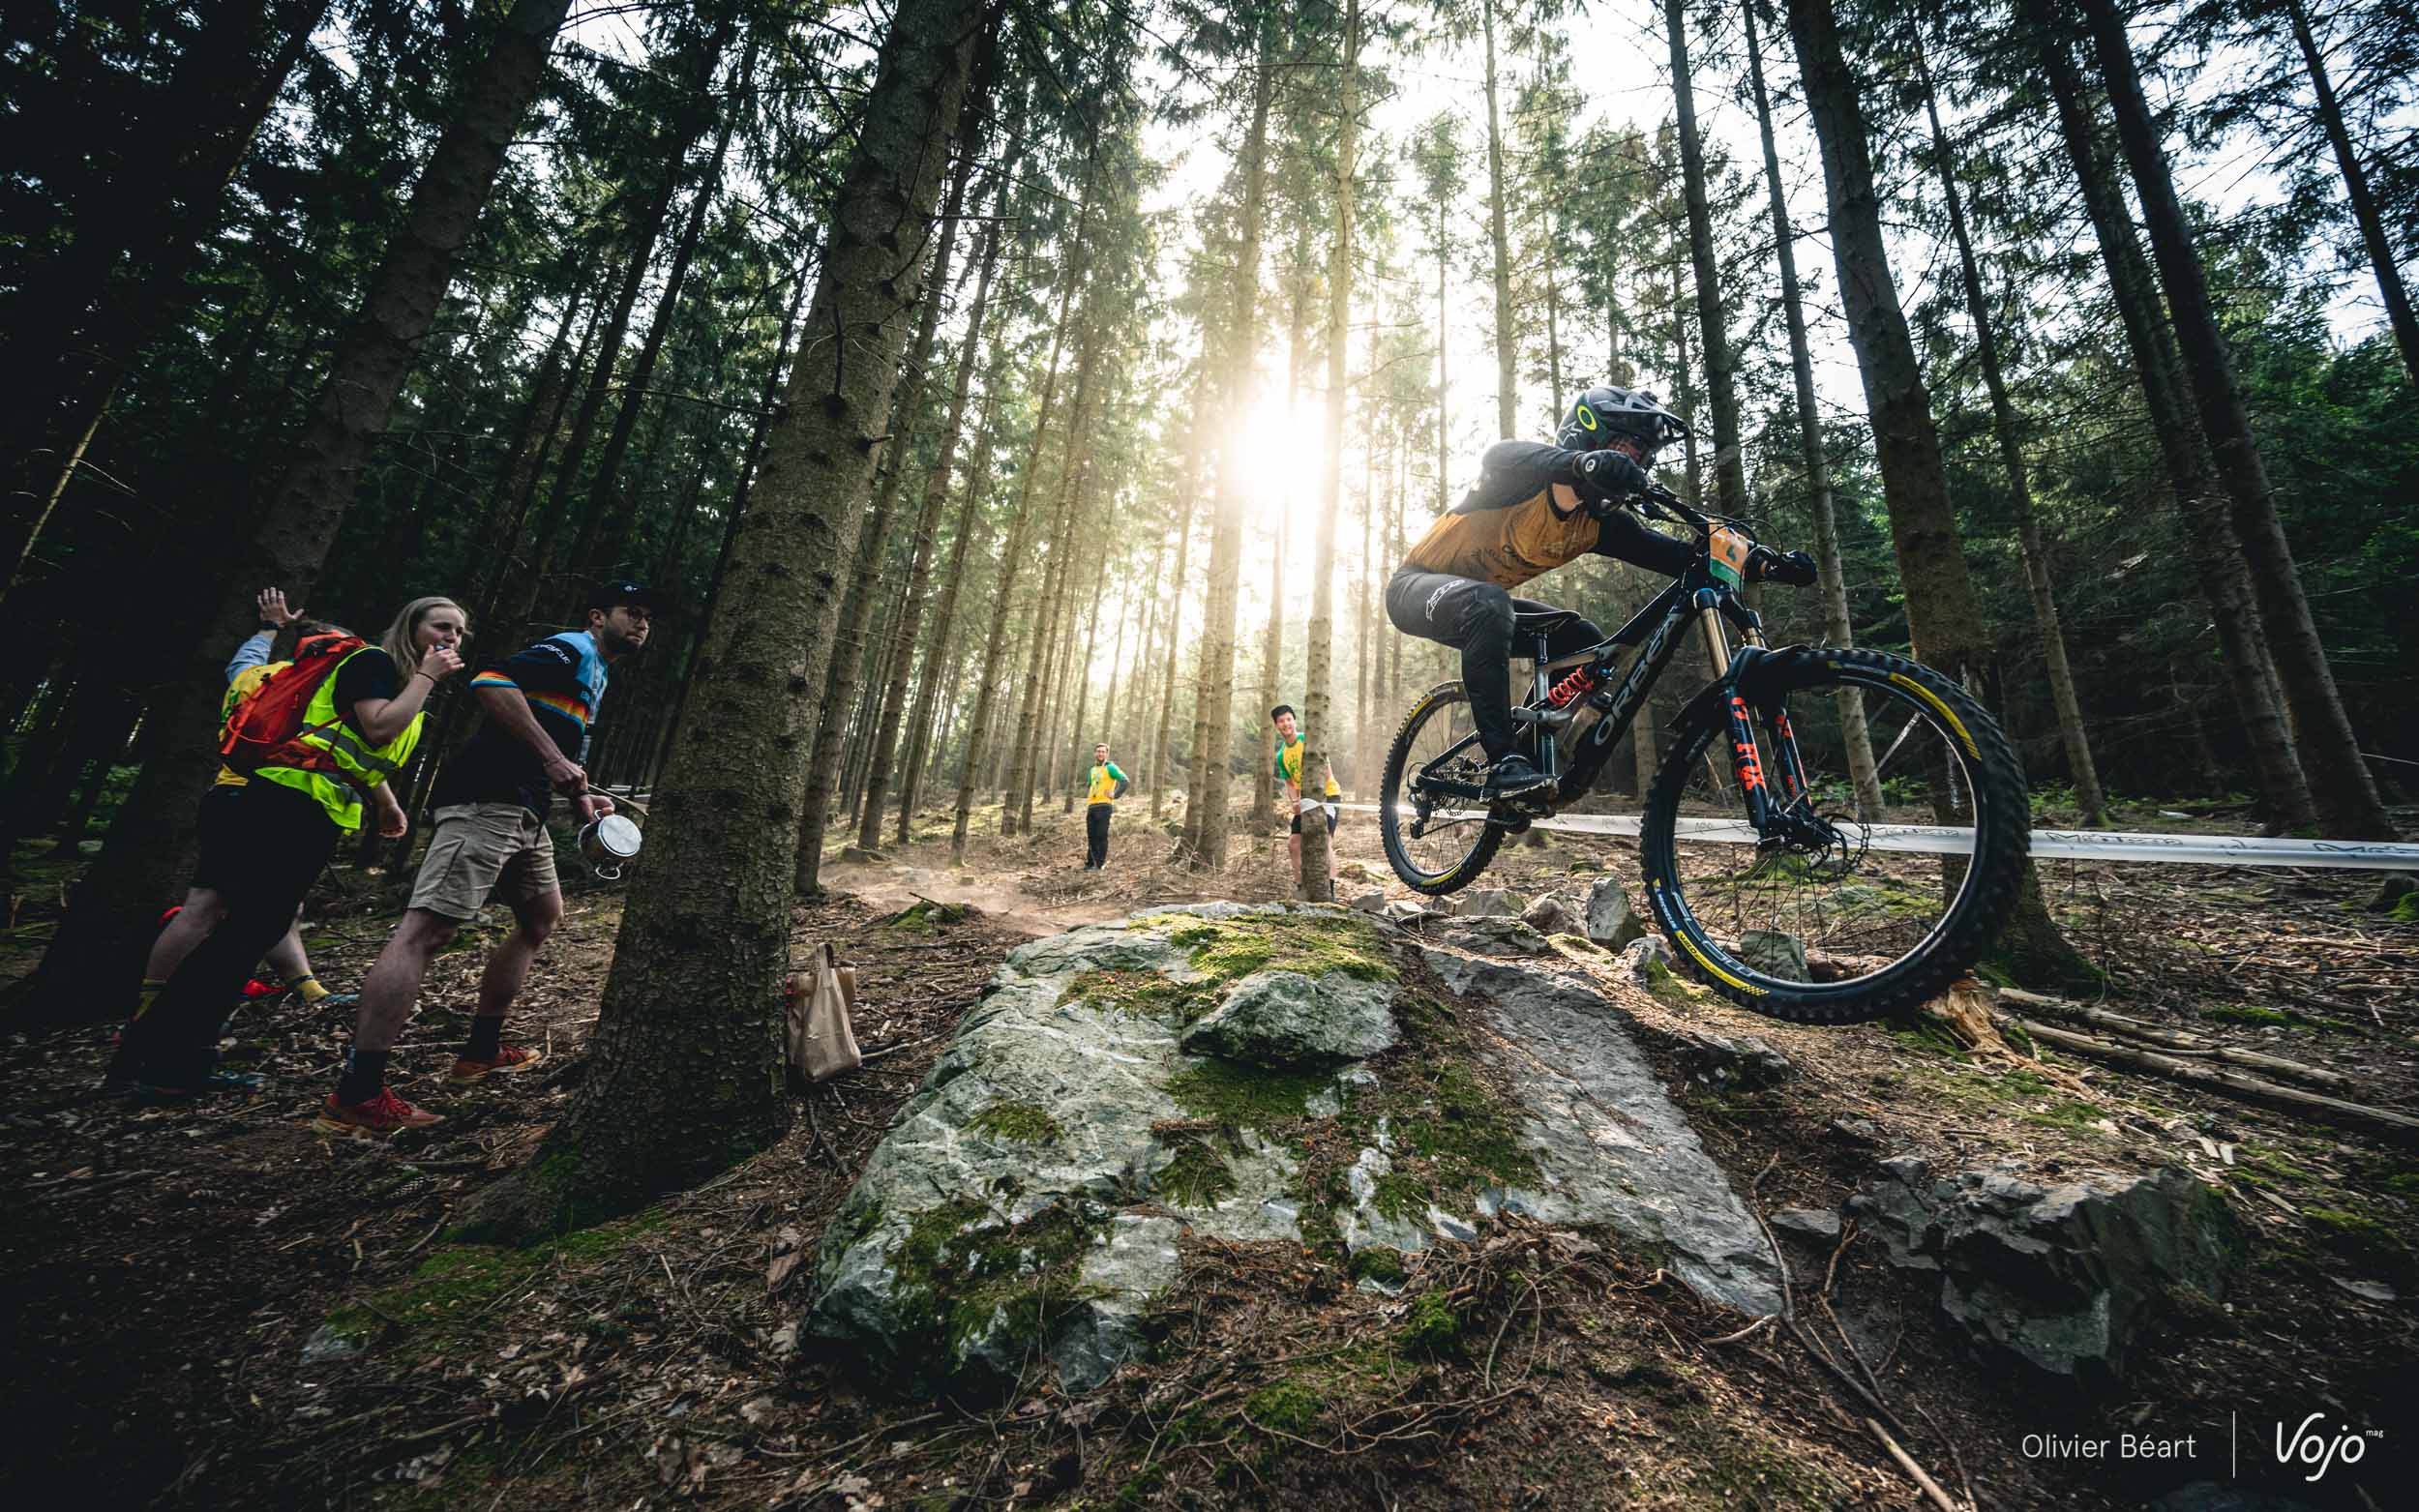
(1507, 531)
(1105, 778)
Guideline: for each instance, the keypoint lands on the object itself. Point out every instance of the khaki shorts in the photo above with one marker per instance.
(482, 850)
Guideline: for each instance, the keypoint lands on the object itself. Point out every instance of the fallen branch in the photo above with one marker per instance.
(1906, 1463)
(2180, 1043)
(2232, 1084)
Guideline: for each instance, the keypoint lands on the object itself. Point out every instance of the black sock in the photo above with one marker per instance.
(485, 1036)
(365, 1072)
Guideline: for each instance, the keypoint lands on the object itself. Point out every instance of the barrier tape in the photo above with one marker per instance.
(2076, 845)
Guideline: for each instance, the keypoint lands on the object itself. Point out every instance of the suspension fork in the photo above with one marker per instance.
(1747, 760)
(1788, 764)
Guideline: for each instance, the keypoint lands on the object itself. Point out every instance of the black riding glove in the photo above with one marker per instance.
(1794, 567)
(1610, 473)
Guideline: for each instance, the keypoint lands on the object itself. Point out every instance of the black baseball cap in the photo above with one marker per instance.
(611, 595)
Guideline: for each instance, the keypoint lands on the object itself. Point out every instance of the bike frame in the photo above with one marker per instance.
(1656, 630)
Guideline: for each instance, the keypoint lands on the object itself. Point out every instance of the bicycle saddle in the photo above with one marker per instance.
(1541, 622)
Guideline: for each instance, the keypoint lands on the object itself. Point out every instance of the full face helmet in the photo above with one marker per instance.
(1601, 415)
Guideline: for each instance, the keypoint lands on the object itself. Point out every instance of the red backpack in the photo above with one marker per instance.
(266, 728)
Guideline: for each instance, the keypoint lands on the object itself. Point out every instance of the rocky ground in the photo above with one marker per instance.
(1994, 1260)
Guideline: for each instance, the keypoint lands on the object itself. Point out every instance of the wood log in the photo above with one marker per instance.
(2232, 1084)
(2177, 1041)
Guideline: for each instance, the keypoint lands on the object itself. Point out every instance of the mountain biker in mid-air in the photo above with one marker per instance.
(1537, 507)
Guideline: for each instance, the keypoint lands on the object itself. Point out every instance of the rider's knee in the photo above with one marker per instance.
(1490, 618)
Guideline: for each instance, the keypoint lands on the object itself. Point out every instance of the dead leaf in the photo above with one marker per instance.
(779, 1270)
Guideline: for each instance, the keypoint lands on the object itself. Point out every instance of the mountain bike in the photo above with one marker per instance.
(1786, 882)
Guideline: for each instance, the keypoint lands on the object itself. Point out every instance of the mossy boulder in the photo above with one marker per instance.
(1263, 1073)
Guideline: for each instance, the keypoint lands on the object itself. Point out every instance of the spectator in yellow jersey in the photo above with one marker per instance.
(223, 841)
(1105, 785)
(361, 723)
(1289, 754)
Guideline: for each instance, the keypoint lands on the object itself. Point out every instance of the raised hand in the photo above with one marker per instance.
(274, 614)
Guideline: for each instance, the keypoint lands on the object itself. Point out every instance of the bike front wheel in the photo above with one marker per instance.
(1436, 844)
(1865, 895)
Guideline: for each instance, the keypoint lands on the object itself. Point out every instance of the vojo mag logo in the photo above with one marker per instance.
(2314, 1447)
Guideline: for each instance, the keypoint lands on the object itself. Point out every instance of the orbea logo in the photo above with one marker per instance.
(2315, 1448)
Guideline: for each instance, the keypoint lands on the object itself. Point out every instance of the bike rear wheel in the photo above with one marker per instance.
(1454, 843)
(1876, 900)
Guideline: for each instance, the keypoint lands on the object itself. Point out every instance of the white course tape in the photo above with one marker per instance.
(2080, 844)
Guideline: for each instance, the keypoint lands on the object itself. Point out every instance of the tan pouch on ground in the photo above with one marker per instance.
(815, 1015)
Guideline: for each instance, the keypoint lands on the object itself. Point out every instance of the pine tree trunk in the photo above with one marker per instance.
(941, 641)
(606, 526)
(2004, 424)
(1444, 383)
(1944, 616)
(1856, 738)
(2364, 203)
(92, 966)
(1081, 672)
(2206, 533)
(527, 615)
(850, 642)
(1506, 339)
(910, 624)
(1169, 658)
(1012, 554)
(1207, 820)
(1016, 808)
(684, 1070)
(1318, 698)
(1730, 479)
(2346, 796)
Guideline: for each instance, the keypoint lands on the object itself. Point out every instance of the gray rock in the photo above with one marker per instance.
(1733, 1060)
(1030, 1199)
(1555, 914)
(1372, 901)
(1611, 1147)
(1860, 1129)
(1488, 901)
(1611, 920)
(330, 1343)
(1492, 934)
(1642, 958)
(2061, 1277)
(1279, 1018)
(862, 855)
(1405, 912)
(1773, 953)
(2213, 1495)
(1816, 1223)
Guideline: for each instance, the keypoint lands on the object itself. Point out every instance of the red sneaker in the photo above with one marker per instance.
(507, 1058)
(375, 1119)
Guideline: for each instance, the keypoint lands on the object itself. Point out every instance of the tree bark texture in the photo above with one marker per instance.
(927, 521)
(1855, 736)
(685, 1069)
(2364, 201)
(1507, 335)
(2206, 531)
(2005, 425)
(1207, 821)
(2346, 795)
(849, 642)
(1730, 479)
(1318, 699)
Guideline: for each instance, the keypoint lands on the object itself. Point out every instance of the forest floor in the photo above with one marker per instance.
(166, 1269)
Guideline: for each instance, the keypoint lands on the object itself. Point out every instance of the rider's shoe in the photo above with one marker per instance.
(1513, 775)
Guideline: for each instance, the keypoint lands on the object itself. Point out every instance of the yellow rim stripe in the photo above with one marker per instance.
(1945, 712)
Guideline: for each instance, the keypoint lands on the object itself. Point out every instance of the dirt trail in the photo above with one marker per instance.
(890, 887)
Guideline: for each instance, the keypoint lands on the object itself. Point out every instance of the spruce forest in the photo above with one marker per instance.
(930, 1040)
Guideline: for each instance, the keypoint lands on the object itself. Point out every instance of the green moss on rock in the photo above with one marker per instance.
(1024, 1123)
(1431, 1328)
(1198, 1176)
(1242, 1097)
